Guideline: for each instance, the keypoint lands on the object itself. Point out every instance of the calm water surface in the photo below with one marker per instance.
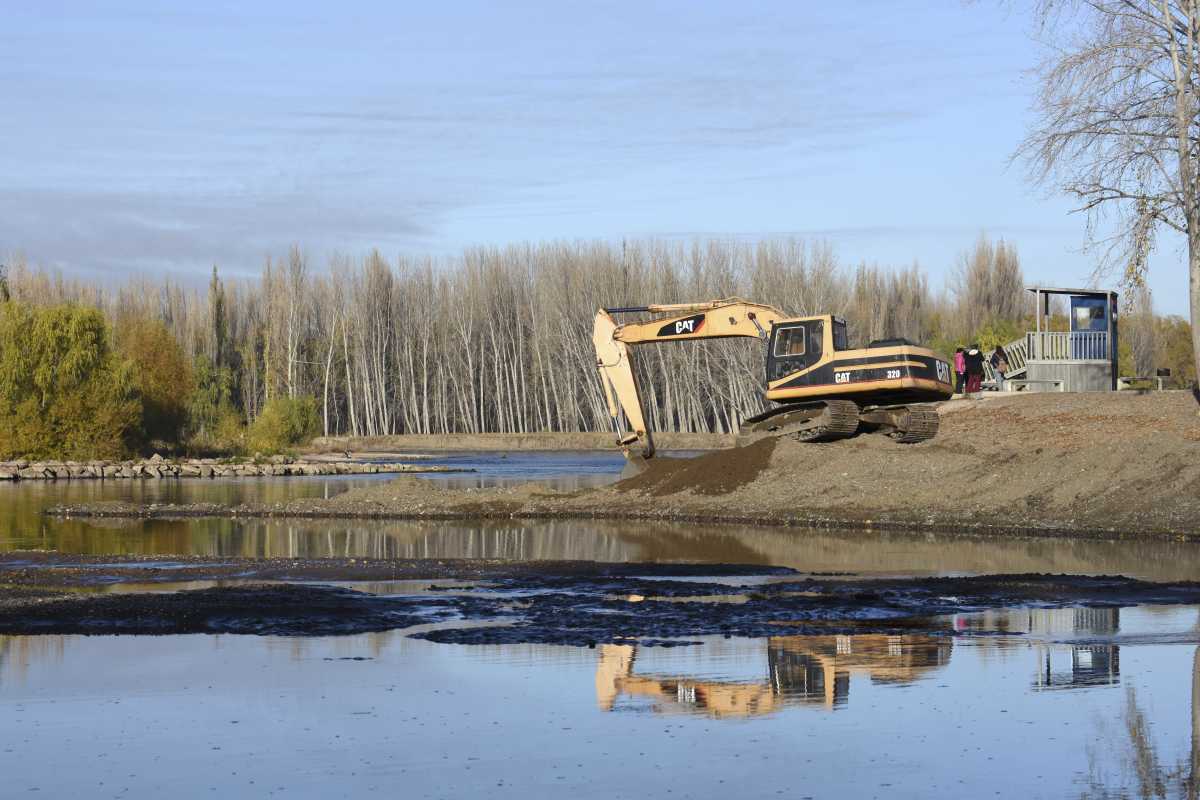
(1068, 703)
(194, 716)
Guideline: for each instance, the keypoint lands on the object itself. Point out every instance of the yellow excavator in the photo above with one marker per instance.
(810, 670)
(824, 389)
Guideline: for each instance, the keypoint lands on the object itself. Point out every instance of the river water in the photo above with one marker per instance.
(1072, 702)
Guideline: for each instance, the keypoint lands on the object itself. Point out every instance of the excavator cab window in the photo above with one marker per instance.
(794, 348)
(816, 339)
(789, 342)
(840, 342)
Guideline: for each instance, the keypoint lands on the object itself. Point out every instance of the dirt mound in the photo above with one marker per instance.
(721, 472)
(1114, 462)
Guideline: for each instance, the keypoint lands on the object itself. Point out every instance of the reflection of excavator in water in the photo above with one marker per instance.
(826, 389)
(813, 670)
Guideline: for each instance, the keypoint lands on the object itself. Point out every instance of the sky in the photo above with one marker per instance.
(163, 138)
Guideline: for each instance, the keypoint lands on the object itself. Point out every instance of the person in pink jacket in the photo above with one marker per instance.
(960, 370)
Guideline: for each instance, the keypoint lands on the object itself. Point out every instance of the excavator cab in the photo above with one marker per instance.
(795, 346)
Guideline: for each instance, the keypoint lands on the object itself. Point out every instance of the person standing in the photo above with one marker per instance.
(999, 366)
(974, 362)
(960, 371)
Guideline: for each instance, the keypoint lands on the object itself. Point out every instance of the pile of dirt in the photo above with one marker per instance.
(721, 472)
(1111, 462)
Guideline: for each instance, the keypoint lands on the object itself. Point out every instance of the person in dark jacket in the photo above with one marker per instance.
(999, 366)
(960, 370)
(974, 359)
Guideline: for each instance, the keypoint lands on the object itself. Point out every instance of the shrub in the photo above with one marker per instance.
(63, 392)
(285, 422)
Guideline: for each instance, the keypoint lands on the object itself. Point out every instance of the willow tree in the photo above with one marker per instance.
(1116, 125)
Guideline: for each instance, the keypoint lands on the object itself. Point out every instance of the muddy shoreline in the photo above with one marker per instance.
(47, 569)
(976, 525)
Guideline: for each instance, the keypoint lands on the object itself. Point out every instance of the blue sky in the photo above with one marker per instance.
(149, 137)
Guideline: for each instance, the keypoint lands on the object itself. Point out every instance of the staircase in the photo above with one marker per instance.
(1018, 352)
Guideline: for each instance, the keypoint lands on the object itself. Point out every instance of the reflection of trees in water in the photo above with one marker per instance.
(598, 540)
(19, 653)
(1142, 772)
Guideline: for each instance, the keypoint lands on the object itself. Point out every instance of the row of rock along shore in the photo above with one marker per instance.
(159, 467)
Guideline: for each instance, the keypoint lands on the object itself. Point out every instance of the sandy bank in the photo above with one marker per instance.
(1105, 465)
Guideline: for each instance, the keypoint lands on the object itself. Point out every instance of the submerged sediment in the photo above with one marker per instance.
(577, 603)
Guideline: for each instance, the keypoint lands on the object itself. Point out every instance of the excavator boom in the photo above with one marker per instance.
(718, 319)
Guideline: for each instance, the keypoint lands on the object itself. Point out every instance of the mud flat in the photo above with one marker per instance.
(1099, 465)
(574, 604)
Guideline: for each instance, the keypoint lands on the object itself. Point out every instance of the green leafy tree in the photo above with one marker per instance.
(285, 422)
(212, 398)
(214, 420)
(63, 392)
(997, 332)
(160, 373)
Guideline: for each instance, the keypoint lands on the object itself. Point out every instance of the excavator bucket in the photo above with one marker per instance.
(634, 465)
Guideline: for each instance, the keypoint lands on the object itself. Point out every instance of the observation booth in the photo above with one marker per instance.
(1081, 359)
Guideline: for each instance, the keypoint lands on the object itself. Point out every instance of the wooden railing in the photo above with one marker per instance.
(1068, 346)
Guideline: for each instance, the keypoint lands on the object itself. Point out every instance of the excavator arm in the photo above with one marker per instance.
(719, 319)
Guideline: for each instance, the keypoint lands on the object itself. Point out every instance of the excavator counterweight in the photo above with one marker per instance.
(824, 389)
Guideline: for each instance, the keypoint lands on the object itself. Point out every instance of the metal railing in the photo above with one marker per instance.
(1068, 346)
(1018, 353)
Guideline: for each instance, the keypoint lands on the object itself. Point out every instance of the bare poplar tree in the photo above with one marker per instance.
(987, 285)
(1117, 124)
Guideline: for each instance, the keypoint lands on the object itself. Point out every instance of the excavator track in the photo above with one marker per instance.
(905, 424)
(819, 422)
(839, 420)
(922, 425)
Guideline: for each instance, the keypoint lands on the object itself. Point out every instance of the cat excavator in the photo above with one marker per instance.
(823, 388)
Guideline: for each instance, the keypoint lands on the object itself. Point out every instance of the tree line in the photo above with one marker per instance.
(496, 339)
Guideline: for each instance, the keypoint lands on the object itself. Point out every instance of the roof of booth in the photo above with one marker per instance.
(1076, 292)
